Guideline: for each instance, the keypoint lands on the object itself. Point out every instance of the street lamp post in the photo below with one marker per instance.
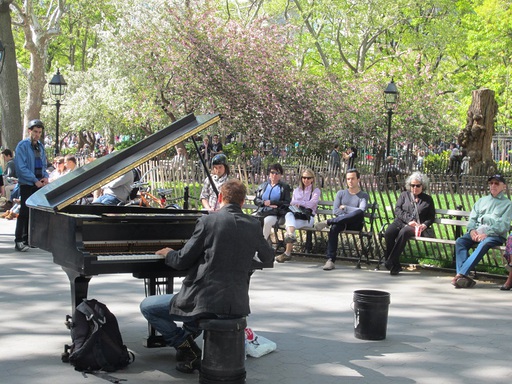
(2, 56)
(57, 89)
(390, 100)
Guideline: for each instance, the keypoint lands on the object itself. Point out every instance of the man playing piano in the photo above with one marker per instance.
(218, 258)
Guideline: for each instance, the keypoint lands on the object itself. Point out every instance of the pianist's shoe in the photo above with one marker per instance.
(190, 356)
(21, 247)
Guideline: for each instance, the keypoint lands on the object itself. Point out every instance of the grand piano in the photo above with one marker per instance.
(88, 240)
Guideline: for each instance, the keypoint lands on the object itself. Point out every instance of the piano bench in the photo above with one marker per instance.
(223, 351)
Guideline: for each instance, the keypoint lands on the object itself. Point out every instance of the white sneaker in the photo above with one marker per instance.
(329, 265)
(321, 225)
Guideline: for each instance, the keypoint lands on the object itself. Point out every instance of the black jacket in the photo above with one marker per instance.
(218, 257)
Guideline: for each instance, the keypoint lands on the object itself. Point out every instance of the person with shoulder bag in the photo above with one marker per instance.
(302, 211)
(272, 198)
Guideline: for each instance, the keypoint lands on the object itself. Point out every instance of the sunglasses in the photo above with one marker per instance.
(415, 185)
(306, 178)
(275, 173)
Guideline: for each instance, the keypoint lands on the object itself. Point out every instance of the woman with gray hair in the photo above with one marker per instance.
(414, 214)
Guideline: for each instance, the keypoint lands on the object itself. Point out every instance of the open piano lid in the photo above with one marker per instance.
(86, 179)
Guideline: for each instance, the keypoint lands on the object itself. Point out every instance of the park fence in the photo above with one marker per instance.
(448, 191)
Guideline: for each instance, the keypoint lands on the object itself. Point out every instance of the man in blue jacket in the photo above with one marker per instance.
(30, 163)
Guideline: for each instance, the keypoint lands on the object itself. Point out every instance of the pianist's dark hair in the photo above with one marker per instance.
(233, 192)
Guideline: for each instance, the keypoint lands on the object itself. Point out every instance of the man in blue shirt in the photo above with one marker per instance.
(30, 163)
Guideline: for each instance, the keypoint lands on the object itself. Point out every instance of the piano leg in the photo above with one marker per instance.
(79, 287)
(153, 286)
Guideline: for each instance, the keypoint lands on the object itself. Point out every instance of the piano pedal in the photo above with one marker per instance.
(69, 322)
(65, 355)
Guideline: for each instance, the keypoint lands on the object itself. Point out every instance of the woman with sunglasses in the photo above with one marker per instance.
(272, 198)
(414, 214)
(305, 196)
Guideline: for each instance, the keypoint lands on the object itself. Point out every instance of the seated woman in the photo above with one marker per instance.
(306, 196)
(272, 198)
(414, 214)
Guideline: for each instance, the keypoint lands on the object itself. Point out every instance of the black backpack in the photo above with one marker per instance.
(136, 178)
(97, 342)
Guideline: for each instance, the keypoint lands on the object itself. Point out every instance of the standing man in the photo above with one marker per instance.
(488, 226)
(30, 163)
(218, 258)
(349, 207)
(216, 146)
(335, 159)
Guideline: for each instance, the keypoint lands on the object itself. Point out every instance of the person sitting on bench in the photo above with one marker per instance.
(414, 214)
(488, 226)
(348, 207)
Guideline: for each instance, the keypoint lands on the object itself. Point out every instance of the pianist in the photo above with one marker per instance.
(218, 258)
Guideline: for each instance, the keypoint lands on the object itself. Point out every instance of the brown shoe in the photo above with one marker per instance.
(454, 280)
(10, 216)
(6, 213)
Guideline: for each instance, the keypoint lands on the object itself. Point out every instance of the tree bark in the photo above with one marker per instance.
(476, 137)
(10, 107)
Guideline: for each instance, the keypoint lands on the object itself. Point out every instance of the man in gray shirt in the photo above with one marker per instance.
(349, 207)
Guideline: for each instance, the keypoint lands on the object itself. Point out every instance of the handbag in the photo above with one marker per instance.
(301, 213)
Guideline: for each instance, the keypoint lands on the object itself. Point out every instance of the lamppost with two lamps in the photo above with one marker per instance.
(391, 95)
(57, 89)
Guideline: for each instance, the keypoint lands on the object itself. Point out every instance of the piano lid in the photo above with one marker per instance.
(86, 179)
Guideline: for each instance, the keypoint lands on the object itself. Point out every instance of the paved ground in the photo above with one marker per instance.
(436, 334)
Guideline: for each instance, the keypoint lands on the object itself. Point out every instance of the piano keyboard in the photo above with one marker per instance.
(130, 257)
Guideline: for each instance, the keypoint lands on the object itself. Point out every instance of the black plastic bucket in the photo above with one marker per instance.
(223, 351)
(371, 314)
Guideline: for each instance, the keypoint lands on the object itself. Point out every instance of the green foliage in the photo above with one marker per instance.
(436, 163)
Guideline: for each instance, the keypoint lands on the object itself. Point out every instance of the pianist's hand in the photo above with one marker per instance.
(164, 251)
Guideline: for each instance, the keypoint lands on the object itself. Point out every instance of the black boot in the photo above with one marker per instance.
(189, 355)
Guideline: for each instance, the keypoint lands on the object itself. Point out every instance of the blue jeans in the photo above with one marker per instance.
(466, 262)
(107, 200)
(156, 311)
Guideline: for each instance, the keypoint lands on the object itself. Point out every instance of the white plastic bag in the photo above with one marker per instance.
(256, 345)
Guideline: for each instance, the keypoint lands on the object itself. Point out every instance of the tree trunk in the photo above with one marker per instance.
(10, 107)
(476, 137)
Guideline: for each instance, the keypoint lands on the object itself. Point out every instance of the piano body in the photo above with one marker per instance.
(88, 240)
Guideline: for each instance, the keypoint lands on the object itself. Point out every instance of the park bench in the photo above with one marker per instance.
(362, 243)
(448, 225)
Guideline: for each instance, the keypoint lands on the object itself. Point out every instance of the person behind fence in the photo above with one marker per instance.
(335, 159)
(348, 208)
(302, 211)
(488, 226)
(272, 199)
(350, 157)
(218, 259)
(220, 174)
(414, 215)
